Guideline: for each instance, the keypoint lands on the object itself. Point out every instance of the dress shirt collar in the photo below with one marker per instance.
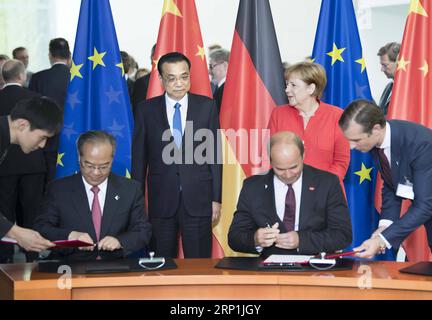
(387, 137)
(12, 84)
(102, 186)
(280, 183)
(171, 102)
(221, 82)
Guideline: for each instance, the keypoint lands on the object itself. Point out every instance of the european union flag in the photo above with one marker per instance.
(97, 97)
(338, 49)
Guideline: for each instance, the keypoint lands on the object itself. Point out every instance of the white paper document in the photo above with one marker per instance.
(287, 259)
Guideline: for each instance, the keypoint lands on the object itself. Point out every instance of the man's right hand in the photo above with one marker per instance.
(29, 239)
(81, 236)
(265, 237)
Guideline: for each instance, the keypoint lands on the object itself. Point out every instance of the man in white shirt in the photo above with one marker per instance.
(95, 205)
(293, 209)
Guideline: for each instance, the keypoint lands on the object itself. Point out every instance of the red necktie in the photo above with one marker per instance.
(290, 208)
(96, 212)
(385, 167)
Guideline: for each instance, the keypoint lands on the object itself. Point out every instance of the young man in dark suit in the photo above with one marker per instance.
(29, 125)
(95, 206)
(402, 151)
(22, 176)
(293, 209)
(184, 193)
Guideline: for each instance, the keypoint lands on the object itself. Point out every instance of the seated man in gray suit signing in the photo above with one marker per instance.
(95, 205)
(293, 209)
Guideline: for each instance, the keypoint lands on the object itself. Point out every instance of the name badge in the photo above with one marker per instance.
(405, 190)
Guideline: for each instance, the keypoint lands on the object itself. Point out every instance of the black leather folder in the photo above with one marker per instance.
(95, 267)
(421, 268)
(255, 264)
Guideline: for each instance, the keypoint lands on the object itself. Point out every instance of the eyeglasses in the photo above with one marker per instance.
(172, 80)
(212, 66)
(91, 167)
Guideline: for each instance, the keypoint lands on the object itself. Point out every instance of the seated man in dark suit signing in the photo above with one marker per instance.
(95, 205)
(293, 209)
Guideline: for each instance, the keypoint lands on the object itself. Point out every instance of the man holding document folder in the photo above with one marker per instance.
(95, 206)
(293, 209)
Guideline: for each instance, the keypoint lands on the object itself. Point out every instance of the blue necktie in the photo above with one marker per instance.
(177, 125)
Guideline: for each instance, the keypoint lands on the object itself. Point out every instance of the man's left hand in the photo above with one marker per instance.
(289, 240)
(216, 210)
(109, 244)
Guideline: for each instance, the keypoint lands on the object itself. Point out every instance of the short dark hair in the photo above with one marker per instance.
(172, 57)
(365, 113)
(59, 48)
(126, 60)
(4, 57)
(42, 113)
(95, 137)
(11, 69)
(391, 49)
(16, 50)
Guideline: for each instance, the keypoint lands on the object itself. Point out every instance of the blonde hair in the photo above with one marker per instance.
(310, 73)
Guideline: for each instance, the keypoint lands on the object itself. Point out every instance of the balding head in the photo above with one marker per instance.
(286, 156)
(14, 71)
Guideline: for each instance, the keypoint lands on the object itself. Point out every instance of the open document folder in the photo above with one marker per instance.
(59, 244)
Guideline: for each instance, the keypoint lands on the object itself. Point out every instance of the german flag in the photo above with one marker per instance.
(254, 86)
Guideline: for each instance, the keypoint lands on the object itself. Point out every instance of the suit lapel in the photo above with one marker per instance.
(161, 116)
(111, 204)
(395, 154)
(307, 196)
(81, 204)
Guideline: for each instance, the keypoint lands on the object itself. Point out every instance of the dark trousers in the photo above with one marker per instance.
(20, 198)
(196, 234)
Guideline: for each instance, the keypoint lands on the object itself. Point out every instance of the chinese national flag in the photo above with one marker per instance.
(412, 94)
(179, 30)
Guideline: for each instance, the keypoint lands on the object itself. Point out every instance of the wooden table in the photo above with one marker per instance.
(198, 279)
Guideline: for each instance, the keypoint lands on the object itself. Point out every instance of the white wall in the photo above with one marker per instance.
(137, 25)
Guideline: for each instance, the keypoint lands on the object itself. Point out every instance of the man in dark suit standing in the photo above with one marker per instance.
(388, 59)
(29, 125)
(53, 83)
(402, 151)
(22, 176)
(293, 209)
(95, 205)
(184, 175)
(218, 68)
(139, 91)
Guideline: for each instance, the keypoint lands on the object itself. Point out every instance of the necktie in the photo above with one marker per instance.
(96, 212)
(290, 207)
(385, 167)
(177, 125)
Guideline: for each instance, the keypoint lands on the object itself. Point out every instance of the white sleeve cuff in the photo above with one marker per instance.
(388, 245)
(385, 223)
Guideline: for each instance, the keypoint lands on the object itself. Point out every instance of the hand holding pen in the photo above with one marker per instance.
(265, 237)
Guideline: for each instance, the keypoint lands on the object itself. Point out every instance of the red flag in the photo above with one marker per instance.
(179, 30)
(412, 93)
(254, 86)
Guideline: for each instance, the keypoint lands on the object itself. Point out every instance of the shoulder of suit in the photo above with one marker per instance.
(123, 180)
(256, 179)
(64, 183)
